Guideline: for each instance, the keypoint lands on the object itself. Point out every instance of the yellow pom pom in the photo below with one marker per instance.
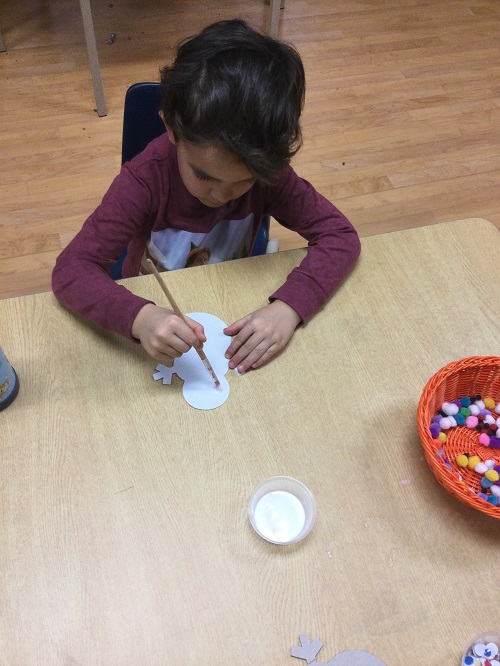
(489, 403)
(442, 437)
(492, 475)
(462, 460)
(473, 460)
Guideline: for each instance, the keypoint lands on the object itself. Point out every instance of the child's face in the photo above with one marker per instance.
(211, 174)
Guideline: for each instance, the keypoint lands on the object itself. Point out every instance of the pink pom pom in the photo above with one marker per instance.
(484, 439)
(471, 421)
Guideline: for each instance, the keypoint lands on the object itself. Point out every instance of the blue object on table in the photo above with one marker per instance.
(142, 124)
(9, 383)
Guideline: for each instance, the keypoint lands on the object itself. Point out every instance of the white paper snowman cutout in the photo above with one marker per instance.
(199, 389)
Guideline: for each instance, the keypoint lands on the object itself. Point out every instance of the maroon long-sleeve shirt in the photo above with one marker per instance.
(148, 197)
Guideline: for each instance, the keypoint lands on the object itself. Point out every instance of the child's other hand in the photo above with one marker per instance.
(260, 335)
(164, 335)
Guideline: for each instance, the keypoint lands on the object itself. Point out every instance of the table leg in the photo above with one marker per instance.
(88, 26)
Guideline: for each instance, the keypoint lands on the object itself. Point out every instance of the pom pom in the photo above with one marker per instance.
(470, 421)
(484, 439)
(473, 461)
(494, 442)
(449, 408)
(435, 430)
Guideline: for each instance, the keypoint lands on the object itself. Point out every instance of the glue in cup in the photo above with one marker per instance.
(483, 646)
(9, 383)
(282, 510)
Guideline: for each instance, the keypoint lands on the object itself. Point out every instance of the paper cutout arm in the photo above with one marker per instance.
(164, 373)
(307, 650)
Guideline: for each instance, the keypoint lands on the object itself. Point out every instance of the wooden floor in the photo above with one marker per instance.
(401, 126)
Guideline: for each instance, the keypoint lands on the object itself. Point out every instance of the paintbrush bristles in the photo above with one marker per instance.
(207, 365)
(178, 312)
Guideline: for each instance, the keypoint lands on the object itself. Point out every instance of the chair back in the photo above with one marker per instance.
(141, 122)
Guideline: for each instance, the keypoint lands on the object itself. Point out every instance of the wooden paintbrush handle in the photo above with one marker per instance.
(178, 312)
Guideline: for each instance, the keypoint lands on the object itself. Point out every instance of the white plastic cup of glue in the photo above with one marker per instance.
(282, 510)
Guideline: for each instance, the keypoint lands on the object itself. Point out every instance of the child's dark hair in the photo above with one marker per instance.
(241, 90)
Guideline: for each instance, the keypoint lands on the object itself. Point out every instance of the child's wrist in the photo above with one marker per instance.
(140, 317)
(287, 310)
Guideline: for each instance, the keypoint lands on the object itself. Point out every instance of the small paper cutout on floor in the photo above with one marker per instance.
(308, 650)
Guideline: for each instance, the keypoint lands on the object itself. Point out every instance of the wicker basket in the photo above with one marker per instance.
(477, 375)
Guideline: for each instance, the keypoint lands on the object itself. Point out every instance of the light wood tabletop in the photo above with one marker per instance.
(124, 531)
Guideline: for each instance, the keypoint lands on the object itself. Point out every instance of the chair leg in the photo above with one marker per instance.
(274, 16)
(2, 45)
(88, 26)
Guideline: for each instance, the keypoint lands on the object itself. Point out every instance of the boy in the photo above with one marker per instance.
(232, 104)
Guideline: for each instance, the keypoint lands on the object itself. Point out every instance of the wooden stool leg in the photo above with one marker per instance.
(88, 26)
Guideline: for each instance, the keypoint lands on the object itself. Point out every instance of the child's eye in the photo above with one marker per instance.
(201, 176)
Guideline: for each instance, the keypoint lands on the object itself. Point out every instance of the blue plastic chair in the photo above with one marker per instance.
(142, 124)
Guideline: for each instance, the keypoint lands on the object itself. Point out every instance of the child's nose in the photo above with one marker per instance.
(222, 193)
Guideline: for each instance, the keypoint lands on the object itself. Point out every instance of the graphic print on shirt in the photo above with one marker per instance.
(171, 249)
(198, 256)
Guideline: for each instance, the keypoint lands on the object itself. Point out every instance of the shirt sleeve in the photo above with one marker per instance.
(80, 279)
(333, 244)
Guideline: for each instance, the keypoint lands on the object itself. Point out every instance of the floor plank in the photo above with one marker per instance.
(401, 124)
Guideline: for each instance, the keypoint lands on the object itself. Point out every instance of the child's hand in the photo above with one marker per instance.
(164, 335)
(260, 335)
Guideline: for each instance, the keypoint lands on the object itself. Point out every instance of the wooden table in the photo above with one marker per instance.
(124, 530)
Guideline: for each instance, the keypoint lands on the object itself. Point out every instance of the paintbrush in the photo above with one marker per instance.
(178, 312)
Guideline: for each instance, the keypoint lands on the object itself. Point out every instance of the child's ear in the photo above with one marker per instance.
(170, 133)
